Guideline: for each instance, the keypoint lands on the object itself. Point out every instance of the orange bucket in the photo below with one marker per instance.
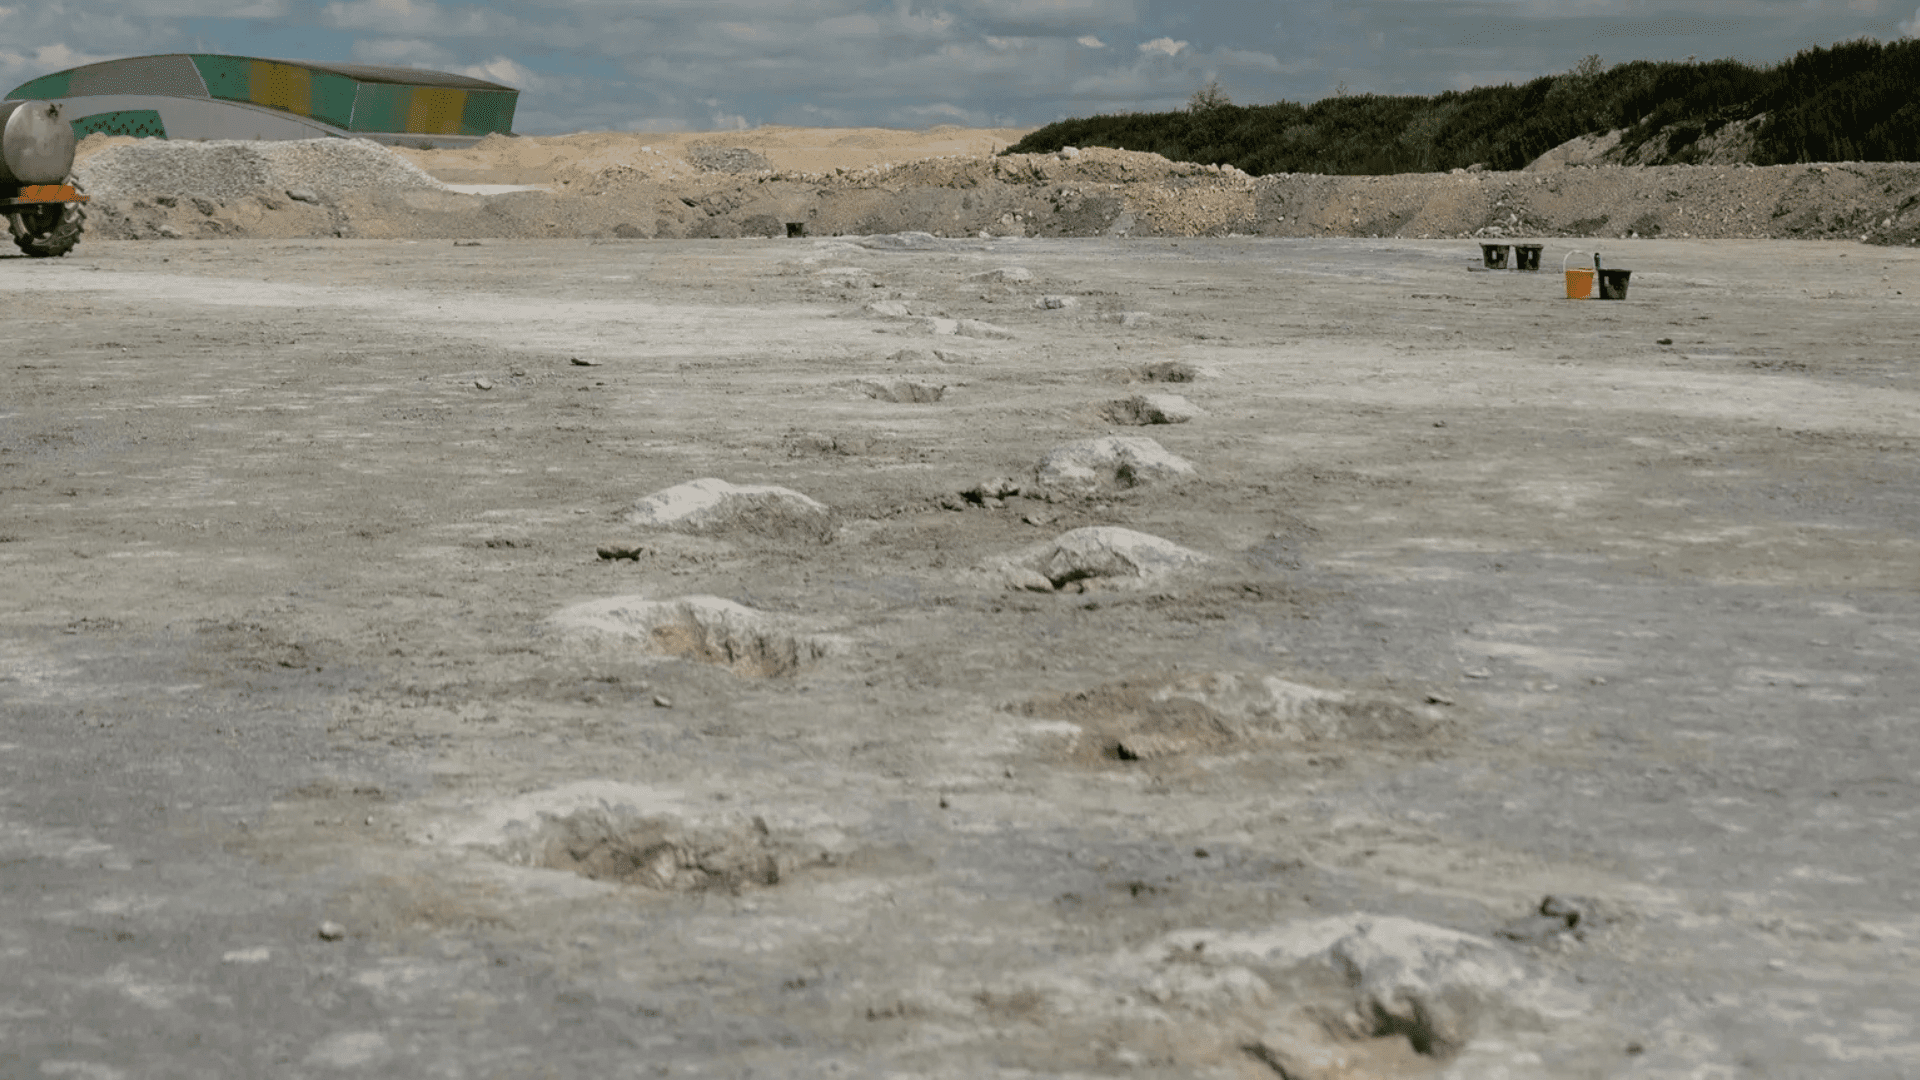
(1579, 282)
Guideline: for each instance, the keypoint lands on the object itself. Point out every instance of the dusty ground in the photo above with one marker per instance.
(1622, 599)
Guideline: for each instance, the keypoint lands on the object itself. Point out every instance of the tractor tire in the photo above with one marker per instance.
(48, 231)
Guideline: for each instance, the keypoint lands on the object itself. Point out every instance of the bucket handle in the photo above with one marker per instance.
(1563, 262)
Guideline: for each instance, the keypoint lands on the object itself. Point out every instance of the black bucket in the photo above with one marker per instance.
(1527, 257)
(1613, 284)
(1494, 256)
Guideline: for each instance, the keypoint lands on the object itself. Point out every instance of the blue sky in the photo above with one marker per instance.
(667, 65)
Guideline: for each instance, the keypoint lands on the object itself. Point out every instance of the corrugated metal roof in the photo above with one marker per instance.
(405, 76)
(169, 73)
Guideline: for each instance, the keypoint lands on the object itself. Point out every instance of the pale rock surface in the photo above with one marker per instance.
(1115, 555)
(1579, 150)
(713, 505)
(1113, 461)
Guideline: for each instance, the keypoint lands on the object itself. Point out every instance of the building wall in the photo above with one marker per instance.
(338, 101)
(189, 118)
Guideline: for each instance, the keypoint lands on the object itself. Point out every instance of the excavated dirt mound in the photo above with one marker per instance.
(1155, 717)
(605, 846)
(1142, 410)
(711, 505)
(627, 834)
(787, 182)
(704, 629)
(1113, 462)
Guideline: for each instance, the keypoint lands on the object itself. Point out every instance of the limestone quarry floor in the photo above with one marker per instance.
(282, 525)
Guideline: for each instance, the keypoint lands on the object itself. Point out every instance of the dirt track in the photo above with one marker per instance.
(1562, 608)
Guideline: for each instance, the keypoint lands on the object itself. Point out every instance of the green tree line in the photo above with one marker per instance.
(1856, 101)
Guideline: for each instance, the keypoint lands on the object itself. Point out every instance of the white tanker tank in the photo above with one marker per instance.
(43, 208)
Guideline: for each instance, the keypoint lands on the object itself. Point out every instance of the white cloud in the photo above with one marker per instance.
(57, 56)
(1163, 45)
(1248, 59)
(1057, 16)
(505, 70)
(403, 52)
(1911, 28)
(422, 17)
(1092, 42)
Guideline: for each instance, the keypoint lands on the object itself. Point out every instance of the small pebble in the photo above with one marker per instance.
(1666, 341)
(1478, 673)
(1561, 908)
(581, 361)
(1598, 680)
(332, 931)
(1439, 699)
(662, 701)
(483, 384)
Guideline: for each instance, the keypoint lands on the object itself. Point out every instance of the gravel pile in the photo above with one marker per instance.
(225, 171)
(727, 159)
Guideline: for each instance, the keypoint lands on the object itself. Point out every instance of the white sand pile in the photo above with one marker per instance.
(227, 170)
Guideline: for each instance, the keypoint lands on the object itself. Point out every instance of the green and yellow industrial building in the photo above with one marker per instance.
(209, 96)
